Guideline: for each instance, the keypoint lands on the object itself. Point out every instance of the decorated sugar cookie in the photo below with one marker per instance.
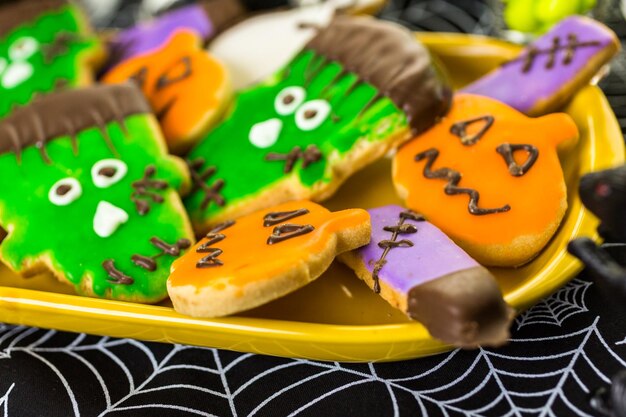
(248, 262)
(489, 177)
(44, 46)
(186, 87)
(261, 45)
(552, 69)
(89, 192)
(356, 90)
(151, 35)
(419, 270)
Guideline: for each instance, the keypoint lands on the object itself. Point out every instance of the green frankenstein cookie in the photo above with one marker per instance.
(45, 45)
(89, 192)
(359, 88)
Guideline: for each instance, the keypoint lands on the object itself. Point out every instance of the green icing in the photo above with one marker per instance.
(243, 167)
(64, 67)
(66, 233)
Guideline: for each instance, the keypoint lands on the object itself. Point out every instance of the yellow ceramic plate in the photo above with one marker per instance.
(338, 317)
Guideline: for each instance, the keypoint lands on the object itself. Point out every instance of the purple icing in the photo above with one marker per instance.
(523, 90)
(148, 36)
(432, 255)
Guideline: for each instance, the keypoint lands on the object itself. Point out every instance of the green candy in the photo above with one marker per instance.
(538, 16)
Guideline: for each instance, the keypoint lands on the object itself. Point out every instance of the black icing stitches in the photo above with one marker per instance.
(452, 188)
(288, 231)
(400, 228)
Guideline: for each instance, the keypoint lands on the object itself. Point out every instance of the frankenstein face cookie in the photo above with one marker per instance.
(89, 192)
(552, 69)
(489, 177)
(248, 262)
(186, 87)
(44, 46)
(419, 270)
(356, 90)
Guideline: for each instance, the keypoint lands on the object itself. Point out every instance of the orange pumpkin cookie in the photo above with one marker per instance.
(489, 177)
(260, 257)
(187, 88)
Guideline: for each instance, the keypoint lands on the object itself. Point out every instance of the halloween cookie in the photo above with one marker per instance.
(419, 270)
(255, 48)
(248, 262)
(186, 87)
(205, 19)
(356, 90)
(44, 46)
(89, 192)
(549, 71)
(489, 177)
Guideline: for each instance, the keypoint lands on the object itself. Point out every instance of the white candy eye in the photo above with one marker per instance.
(288, 100)
(23, 48)
(312, 114)
(65, 191)
(107, 172)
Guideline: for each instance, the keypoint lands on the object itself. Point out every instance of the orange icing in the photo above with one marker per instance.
(195, 92)
(246, 256)
(536, 198)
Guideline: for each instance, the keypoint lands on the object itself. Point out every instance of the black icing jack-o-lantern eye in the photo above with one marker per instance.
(289, 99)
(65, 191)
(108, 172)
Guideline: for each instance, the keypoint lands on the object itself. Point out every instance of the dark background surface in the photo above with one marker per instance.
(561, 351)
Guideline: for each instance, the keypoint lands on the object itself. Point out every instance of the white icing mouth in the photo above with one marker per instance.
(108, 219)
(265, 134)
(16, 73)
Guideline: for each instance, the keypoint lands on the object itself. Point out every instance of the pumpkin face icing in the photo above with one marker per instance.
(299, 134)
(489, 177)
(44, 46)
(89, 192)
(257, 258)
(186, 87)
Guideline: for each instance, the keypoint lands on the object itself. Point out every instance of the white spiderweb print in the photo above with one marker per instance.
(557, 308)
(541, 376)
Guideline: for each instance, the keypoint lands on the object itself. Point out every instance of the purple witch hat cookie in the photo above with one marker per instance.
(419, 270)
(548, 72)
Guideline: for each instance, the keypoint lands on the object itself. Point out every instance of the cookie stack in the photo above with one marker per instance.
(117, 152)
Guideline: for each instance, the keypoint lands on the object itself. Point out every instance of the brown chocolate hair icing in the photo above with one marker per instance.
(388, 57)
(16, 12)
(223, 13)
(68, 113)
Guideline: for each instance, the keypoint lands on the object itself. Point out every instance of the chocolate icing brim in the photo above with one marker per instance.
(17, 12)
(464, 308)
(67, 113)
(388, 56)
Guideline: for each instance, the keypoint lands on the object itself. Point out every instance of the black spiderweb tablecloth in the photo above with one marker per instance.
(562, 349)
